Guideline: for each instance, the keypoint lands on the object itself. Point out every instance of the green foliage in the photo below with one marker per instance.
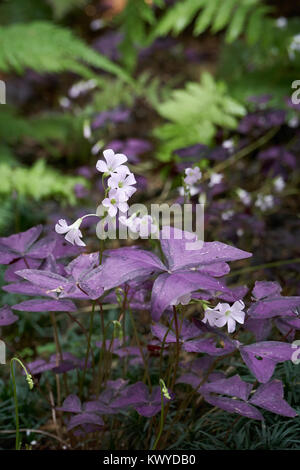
(18, 11)
(62, 7)
(237, 16)
(45, 47)
(38, 182)
(113, 93)
(134, 20)
(194, 114)
(265, 68)
(43, 129)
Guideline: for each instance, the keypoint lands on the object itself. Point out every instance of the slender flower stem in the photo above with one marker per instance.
(162, 420)
(30, 383)
(102, 352)
(140, 348)
(177, 347)
(59, 358)
(163, 347)
(87, 354)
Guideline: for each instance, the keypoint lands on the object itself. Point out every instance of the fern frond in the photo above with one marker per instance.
(38, 182)
(45, 47)
(237, 16)
(194, 114)
(114, 93)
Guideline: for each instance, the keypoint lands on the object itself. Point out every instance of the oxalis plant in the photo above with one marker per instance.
(200, 334)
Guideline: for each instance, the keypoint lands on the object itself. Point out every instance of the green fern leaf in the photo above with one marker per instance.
(256, 24)
(38, 182)
(239, 18)
(177, 18)
(194, 114)
(206, 16)
(223, 15)
(45, 47)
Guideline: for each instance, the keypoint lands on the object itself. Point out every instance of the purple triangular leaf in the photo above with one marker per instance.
(270, 397)
(6, 316)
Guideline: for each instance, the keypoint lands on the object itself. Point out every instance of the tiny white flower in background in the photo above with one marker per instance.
(64, 102)
(294, 46)
(244, 196)
(96, 147)
(281, 22)
(87, 131)
(182, 300)
(293, 122)
(230, 315)
(123, 182)
(115, 201)
(228, 145)
(264, 202)
(73, 234)
(193, 175)
(240, 232)
(227, 215)
(97, 24)
(215, 178)
(279, 184)
(114, 162)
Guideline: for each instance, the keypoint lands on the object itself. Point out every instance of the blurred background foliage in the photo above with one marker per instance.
(184, 68)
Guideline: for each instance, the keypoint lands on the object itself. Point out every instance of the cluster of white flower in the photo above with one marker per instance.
(120, 182)
(264, 202)
(120, 187)
(224, 314)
